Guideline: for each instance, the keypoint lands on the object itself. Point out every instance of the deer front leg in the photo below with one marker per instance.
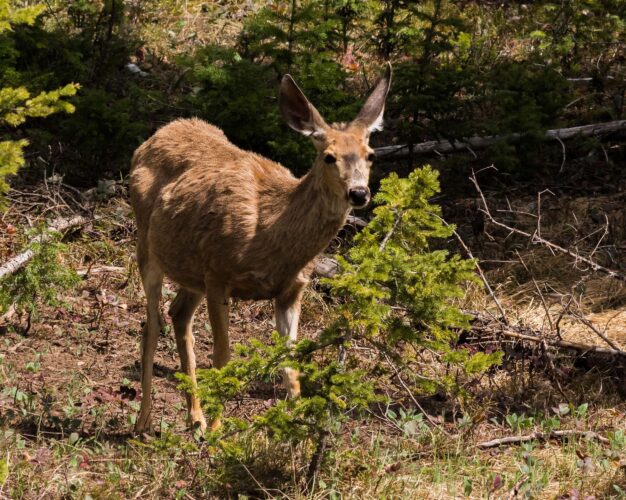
(287, 313)
(152, 278)
(182, 312)
(217, 303)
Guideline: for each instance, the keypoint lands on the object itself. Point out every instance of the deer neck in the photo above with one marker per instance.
(315, 215)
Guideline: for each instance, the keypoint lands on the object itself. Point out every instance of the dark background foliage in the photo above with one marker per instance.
(462, 68)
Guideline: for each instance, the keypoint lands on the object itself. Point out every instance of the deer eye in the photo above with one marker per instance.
(371, 156)
(329, 159)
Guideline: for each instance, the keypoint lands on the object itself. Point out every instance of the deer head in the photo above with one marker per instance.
(344, 157)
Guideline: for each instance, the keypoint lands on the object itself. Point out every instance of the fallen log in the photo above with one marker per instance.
(471, 143)
(57, 226)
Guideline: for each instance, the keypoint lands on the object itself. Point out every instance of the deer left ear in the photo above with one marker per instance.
(371, 115)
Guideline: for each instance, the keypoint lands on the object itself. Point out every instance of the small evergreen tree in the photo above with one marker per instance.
(43, 277)
(395, 296)
(17, 104)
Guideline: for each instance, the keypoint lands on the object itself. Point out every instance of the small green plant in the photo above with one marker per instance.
(411, 422)
(17, 104)
(617, 440)
(550, 423)
(581, 411)
(40, 281)
(23, 400)
(518, 423)
(35, 365)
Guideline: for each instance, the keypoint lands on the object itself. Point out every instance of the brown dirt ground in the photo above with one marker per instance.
(96, 341)
(93, 337)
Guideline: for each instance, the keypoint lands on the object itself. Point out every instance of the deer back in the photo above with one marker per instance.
(205, 207)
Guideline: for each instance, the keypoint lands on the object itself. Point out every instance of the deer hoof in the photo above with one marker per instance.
(197, 423)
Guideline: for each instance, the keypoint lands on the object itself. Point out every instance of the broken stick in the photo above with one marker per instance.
(541, 436)
(58, 225)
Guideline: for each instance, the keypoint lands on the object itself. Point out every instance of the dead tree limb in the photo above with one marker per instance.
(326, 267)
(472, 143)
(542, 436)
(358, 222)
(537, 239)
(57, 226)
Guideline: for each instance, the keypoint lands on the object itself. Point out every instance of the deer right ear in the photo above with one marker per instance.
(371, 115)
(298, 112)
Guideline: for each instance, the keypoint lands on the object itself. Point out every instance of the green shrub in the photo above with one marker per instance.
(89, 42)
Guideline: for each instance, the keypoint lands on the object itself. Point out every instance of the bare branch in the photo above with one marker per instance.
(542, 436)
(383, 243)
(59, 225)
(591, 326)
(536, 238)
(483, 278)
(410, 394)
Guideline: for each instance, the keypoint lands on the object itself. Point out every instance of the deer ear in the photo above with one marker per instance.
(298, 112)
(371, 115)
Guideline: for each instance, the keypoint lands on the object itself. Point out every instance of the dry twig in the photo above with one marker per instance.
(541, 436)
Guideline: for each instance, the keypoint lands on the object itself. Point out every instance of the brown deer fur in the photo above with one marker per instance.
(223, 222)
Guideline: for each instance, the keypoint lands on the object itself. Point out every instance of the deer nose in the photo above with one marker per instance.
(359, 196)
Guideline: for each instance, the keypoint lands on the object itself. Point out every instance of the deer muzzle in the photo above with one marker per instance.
(359, 196)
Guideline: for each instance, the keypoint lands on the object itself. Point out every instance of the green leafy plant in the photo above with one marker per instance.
(518, 423)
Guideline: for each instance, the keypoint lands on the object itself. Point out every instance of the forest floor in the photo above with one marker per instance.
(70, 391)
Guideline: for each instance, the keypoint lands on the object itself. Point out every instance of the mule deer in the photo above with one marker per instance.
(223, 222)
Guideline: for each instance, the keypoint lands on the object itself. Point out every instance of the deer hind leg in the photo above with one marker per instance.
(287, 313)
(152, 278)
(182, 312)
(217, 303)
